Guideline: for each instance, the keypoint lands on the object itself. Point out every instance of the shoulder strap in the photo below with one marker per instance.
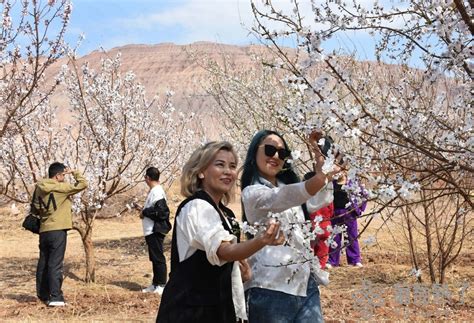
(305, 212)
(34, 195)
(33, 208)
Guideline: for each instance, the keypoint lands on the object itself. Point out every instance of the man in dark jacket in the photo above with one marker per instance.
(156, 224)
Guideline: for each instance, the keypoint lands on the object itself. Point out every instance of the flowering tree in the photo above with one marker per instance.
(28, 46)
(253, 98)
(247, 97)
(119, 135)
(258, 97)
(407, 132)
(26, 155)
(115, 135)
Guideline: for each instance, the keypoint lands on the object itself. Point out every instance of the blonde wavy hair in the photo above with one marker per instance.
(200, 159)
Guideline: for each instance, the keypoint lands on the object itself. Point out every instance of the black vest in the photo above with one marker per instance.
(340, 196)
(198, 291)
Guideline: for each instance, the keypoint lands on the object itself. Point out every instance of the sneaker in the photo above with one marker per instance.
(358, 265)
(149, 289)
(159, 289)
(56, 303)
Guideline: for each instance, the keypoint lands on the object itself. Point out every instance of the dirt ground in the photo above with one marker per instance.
(377, 292)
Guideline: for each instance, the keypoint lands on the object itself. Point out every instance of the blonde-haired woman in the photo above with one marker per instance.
(205, 284)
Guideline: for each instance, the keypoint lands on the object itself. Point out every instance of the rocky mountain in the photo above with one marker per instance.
(178, 68)
(165, 67)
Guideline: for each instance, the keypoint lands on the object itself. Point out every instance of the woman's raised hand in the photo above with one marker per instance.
(339, 164)
(313, 139)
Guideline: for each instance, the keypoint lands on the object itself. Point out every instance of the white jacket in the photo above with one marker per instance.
(271, 266)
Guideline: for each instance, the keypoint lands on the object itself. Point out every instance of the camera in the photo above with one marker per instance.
(328, 143)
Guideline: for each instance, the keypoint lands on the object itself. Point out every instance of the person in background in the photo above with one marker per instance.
(320, 246)
(155, 220)
(51, 201)
(346, 212)
(205, 283)
(279, 290)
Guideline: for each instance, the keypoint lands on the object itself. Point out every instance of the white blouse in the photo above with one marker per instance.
(199, 227)
(277, 267)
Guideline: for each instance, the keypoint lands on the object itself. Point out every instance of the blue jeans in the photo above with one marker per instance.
(271, 306)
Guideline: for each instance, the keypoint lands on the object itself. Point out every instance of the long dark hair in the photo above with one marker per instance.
(250, 172)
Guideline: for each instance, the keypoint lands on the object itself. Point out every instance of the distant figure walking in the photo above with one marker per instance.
(51, 200)
(155, 219)
(346, 212)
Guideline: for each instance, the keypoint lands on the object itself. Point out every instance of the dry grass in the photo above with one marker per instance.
(124, 268)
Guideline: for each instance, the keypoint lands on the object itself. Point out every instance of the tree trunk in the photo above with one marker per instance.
(442, 274)
(86, 236)
(429, 247)
(90, 256)
(412, 244)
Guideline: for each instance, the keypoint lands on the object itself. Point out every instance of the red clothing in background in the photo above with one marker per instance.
(320, 248)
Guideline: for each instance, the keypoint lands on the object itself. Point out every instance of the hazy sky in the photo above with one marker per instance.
(111, 23)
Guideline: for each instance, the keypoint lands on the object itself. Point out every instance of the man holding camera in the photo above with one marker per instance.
(51, 201)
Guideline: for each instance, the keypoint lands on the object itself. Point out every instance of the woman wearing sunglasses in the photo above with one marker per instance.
(205, 285)
(282, 289)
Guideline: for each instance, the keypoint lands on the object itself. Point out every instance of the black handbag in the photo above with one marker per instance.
(32, 221)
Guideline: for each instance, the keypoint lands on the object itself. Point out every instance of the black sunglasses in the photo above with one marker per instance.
(282, 152)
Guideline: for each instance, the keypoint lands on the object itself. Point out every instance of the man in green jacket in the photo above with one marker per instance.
(52, 202)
